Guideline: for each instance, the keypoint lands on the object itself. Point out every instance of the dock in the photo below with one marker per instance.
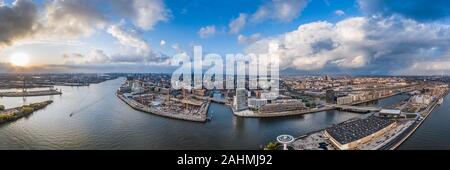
(143, 108)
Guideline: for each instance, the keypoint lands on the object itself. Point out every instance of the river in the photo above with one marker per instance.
(101, 121)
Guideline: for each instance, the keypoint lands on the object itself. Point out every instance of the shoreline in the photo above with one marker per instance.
(254, 114)
(412, 131)
(13, 114)
(400, 138)
(139, 107)
(30, 93)
(279, 114)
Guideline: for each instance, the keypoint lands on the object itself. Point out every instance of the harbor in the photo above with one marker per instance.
(199, 115)
(383, 130)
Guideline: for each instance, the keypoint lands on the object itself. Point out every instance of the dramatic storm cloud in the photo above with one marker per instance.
(358, 43)
(17, 21)
(60, 19)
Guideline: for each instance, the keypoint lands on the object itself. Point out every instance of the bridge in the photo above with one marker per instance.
(358, 109)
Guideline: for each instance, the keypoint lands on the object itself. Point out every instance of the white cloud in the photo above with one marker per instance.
(339, 12)
(148, 13)
(384, 44)
(129, 38)
(162, 43)
(280, 10)
(207, 31)
(238, 23)
(242, 39)
(71, 19)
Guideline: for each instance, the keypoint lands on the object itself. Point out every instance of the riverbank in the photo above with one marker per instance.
(13, 114)
(389, 141)
(30, 93)
(257, 114)
(202, 117)
(413, 127)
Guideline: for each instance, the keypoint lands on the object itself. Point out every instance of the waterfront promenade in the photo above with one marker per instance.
(401, 138)
(201, 117)
(256, 114)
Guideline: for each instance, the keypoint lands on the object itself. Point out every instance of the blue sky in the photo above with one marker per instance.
(313, 36)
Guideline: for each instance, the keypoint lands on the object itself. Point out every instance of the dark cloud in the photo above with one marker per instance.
(421, 10)
(17, 21)
(359, 45)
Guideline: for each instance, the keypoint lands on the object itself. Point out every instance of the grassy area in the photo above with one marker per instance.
(272, 146)
(6, 116)
(23, 111)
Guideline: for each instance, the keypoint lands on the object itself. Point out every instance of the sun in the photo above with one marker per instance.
(19, 59)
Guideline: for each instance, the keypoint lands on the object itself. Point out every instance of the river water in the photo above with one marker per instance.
(101, 121)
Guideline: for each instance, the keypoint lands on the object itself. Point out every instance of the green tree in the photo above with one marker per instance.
(271, 146)
(27, 109)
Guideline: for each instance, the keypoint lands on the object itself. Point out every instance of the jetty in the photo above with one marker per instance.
(200, 117)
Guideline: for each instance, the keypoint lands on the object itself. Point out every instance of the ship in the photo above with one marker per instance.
(441, 101)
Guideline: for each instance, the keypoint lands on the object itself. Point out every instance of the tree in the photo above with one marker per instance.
(271, 146)
(26, 110)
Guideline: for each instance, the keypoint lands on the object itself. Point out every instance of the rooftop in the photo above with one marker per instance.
(352, 131)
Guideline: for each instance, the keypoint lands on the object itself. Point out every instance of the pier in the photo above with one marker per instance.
(143, 108)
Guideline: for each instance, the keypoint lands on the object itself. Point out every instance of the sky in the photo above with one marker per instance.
(355, 37)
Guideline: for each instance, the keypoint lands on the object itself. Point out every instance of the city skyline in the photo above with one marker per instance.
(317, 37)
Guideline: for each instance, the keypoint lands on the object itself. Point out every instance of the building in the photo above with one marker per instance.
(421, 99)
(282, 107)
(330, 97)
(344, 100)
(240, 100)
(350, 135)
(390, 113)
(200, 92)
(256, 103)
(137, 87)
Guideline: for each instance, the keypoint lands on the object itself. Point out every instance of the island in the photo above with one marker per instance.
(13, 114)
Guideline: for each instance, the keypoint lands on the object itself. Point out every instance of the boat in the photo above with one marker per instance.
(71, 114)
(441, 101)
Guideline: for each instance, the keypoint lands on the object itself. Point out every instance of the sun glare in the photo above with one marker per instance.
(19, 59)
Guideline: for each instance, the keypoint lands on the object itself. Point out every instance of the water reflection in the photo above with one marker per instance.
(101, 121)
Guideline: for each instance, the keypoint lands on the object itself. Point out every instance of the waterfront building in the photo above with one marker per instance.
(330, 97)
(240, 100)
(137, 87)
(344, 100)
(282, 107)
(256, 103)
(350, 135)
